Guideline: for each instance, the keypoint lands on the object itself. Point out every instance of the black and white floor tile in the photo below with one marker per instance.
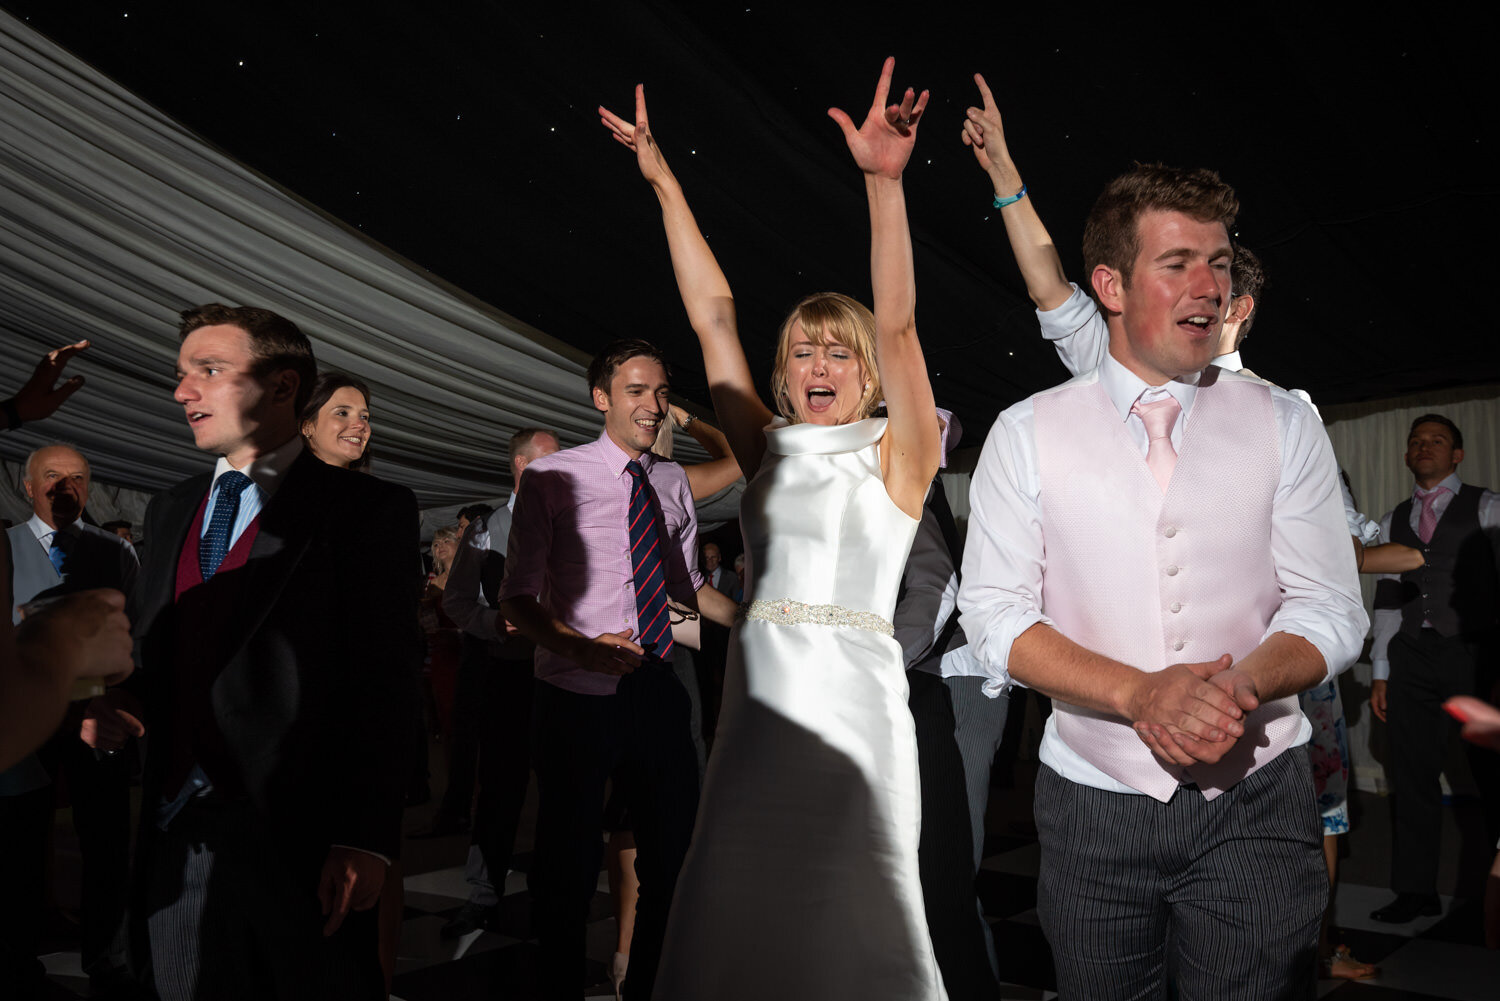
(1433, 959)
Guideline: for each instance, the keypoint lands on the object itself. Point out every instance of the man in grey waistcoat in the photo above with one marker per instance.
(56, 553)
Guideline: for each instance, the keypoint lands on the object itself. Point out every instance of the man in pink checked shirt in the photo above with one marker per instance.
(602, 535)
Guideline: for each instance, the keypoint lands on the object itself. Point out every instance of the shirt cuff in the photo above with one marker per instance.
(363, 851)
(992, 657)
(1380, 670)
(1337, 655)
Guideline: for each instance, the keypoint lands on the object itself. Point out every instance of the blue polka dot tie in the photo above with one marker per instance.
(216, 543)
(655, 629)
(57, 552)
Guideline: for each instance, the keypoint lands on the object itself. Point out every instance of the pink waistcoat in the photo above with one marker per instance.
(1155, 579)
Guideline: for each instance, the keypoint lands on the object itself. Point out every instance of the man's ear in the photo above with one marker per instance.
(1109, 288)
(29, 494)
(1458, 456)
(284, 385)
(1240, 308)
(601, 400)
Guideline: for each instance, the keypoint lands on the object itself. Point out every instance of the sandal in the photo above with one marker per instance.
(1343, 966)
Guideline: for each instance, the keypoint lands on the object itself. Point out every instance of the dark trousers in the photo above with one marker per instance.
(1237, 883)
(233, 915)
(504, 764)
(1426, 670)
(640, 737)
(99, 790)
(472, 698)
(25, 822)
(945, 852)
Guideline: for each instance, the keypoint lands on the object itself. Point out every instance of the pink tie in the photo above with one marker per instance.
(1159, 416)
(1427, 522)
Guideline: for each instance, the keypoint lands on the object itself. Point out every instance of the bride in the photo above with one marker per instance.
(802, 877)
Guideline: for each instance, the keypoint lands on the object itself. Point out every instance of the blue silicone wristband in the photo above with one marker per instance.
(1000, 203)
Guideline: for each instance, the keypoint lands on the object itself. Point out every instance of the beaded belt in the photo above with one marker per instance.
(795, 613)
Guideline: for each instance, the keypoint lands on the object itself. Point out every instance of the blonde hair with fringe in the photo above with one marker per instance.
(828, 316)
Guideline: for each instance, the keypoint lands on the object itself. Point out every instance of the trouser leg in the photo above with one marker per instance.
(504, 771)
(979, 727)
(1099, 891)
(945, 849)
(99, 787)
(469, 724)
(25, 822)
(661, 783)
(1425, 670)
(1249, 886)
(575, 746)
(234, 916)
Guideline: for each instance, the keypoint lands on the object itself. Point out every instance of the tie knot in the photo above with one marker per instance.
(1429, 497)
(634, 468)
(233, 483)
(1158, 416)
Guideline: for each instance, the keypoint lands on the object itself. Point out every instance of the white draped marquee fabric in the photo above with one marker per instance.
(113, 218)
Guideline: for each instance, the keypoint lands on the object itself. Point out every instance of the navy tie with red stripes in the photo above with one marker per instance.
(647, 558)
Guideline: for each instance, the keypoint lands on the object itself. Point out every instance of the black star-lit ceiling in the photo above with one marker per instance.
(464, 137)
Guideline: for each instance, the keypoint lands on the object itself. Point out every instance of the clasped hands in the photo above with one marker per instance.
(1191, 714)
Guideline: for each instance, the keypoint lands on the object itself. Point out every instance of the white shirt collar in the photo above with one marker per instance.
(1451, 481)
(510, 502)
(1231, 361)
(43, 531)
(1124, 387)
(268, 470)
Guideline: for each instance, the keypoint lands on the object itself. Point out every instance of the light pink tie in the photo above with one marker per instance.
(1427, 522)
(1159, 416)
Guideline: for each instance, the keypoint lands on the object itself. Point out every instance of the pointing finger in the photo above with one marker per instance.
(984, 92)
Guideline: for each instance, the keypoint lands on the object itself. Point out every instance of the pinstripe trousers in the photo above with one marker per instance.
(233, 917)
(1236, 884)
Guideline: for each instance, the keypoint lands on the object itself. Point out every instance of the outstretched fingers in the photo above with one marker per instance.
(618, 127)
(985, 95)
(883, 87)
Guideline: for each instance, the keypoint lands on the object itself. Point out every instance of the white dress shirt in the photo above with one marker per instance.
(44, 532)
(1079, 333)
(1005, 558)
(1388, 620)
(267, 472)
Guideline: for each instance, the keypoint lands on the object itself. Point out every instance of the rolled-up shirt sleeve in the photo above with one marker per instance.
(1315, 565)
(1004, 558)
(1077, 330)
(1387, 620)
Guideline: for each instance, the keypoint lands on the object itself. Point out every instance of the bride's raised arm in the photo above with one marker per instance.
(911, 450)
(705, 292)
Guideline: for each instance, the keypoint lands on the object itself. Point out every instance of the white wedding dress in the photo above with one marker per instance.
(801, 882)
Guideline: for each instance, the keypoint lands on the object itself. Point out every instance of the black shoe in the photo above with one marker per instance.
(470, 917)
(1407, 907)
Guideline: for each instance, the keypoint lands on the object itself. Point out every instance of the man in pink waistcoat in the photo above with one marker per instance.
(1160, 547)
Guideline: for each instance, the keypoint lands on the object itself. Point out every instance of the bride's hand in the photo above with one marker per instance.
(883, 144)
(638, 139)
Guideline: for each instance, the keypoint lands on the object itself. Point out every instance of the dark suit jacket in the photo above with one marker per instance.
(313, 697)
(935, 557)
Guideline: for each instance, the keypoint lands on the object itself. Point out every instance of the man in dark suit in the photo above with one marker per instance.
(276, 626)
(492, 701)
(958, 731)
(1437, 630)
(719, 576)
(56, 553)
